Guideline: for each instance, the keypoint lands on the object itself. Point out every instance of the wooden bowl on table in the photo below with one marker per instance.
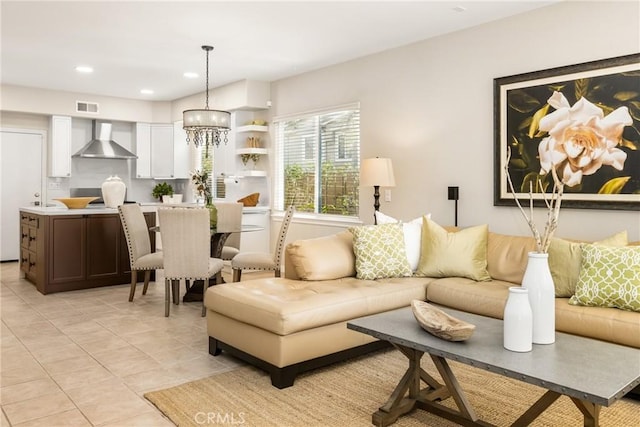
(76, 202)
(439, 323)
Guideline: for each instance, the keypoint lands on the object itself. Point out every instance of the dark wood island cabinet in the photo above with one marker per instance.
(75, 251)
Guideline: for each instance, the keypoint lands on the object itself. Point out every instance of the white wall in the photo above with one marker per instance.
(429, 106)
(249, 95)
(44, 101)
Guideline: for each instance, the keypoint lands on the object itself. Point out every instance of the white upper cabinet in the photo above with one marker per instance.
(143, 150)
(154, 148)
(60, 147)
(181, 152)
(162, 151)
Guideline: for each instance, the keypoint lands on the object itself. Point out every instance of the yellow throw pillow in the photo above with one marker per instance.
(565, 258)
(453, 254)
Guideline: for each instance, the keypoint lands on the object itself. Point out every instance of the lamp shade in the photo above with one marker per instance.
(206, 119)
(377, 171)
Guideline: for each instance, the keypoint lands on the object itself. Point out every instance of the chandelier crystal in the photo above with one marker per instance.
(204, 126)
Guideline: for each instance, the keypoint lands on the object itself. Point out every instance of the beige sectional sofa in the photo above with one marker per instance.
(295, 323)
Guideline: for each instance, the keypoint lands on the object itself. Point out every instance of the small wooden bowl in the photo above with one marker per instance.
(439, 323)
(250, 200)
(76, 202)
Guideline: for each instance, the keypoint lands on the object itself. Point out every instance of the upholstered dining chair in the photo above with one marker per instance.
(141, 258)
(262, 260)
(186, 240)
(229, 218)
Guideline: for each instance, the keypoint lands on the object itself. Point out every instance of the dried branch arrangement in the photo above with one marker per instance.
(552, 202)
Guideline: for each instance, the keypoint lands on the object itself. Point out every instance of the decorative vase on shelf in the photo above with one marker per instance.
(538, 281)
(518, 321)
(113, 191)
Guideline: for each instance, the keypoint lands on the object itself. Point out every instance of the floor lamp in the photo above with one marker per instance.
(376, 172)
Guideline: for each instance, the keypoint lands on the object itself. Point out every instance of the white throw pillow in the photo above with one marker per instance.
(412, 235)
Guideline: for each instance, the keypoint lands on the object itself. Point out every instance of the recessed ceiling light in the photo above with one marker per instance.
(191, 75)
(84, 69)
(459, 8)
(146, 91)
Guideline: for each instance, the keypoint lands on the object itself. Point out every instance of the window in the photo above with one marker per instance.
(318, 161)
(341, 149)
(309, 152)
(205, 162)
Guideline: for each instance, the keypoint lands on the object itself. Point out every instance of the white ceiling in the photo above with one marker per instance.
(150, 44)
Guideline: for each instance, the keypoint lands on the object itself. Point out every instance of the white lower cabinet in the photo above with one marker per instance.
(256, 241)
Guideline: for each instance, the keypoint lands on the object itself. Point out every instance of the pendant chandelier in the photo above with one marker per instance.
(204, 126)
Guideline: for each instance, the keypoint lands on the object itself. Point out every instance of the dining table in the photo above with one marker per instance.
(219, 236)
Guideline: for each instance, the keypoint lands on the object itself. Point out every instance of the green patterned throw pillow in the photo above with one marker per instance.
(565, 259)
(609, 277)
(380, 251)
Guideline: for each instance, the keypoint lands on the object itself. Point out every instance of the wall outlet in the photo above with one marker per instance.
(387, 195)
(54, 185)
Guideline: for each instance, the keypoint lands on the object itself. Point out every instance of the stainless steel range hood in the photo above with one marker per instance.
(103, 147)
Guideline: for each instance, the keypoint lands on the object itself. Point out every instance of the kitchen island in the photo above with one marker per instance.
(69, 249)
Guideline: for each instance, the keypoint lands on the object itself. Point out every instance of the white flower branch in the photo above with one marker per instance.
(552, 202)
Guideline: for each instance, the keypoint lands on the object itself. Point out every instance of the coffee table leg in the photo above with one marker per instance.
(466, 410)
(399, 404)
(536, 409)
(591, 412)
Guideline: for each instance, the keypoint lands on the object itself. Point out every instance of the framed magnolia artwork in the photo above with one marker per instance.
(582, 120)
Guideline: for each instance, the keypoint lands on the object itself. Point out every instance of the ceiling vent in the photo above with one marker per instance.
(86, 107)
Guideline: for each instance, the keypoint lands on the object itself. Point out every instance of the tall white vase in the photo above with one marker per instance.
(113, 191)
(518, 320)
(537, 279)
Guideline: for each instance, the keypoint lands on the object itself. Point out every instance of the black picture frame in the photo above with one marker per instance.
(609, 84)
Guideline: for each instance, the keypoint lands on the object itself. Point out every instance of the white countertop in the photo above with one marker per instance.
(98, 210)
(61, 210)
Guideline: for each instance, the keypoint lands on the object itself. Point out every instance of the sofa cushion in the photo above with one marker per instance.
(609, 277)
(380, 252)
(607, 324)
(285, 306)
(507, 256)
(565, 258)
(412, 235)
(483, 298)
(323, 258)
(461, 254)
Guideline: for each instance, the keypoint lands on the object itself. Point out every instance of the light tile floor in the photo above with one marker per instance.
(85, 358)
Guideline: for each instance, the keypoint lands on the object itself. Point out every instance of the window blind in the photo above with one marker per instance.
(318, 162)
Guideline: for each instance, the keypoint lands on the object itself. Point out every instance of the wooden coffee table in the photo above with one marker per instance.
(591, 373)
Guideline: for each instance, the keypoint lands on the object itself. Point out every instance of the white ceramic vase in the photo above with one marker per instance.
(113, 192)
(537, 279)
(518, 321)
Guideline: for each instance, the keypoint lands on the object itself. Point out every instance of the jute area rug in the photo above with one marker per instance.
(346, 394)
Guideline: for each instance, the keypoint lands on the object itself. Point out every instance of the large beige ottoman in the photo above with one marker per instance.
(289, 326)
